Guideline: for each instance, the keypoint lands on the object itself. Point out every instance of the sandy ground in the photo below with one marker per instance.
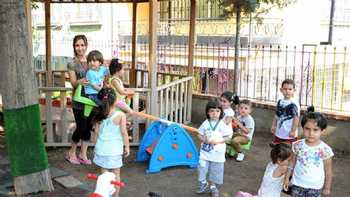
(181, 181)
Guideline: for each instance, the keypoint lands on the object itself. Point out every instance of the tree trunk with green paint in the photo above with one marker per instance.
(24, 138)
(237, 47)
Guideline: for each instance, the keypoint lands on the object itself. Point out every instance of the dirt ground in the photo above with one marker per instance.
(181, 181)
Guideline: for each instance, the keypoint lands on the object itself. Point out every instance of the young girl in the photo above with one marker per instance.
(213, 133)
(311, 164)
(227, 101)
(113, 138)
(116, 70)
(272, 183)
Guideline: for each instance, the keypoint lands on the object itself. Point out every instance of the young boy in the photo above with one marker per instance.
(95, 75)
(285, 122)
(246, 124)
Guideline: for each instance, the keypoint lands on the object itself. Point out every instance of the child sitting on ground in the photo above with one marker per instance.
(286, 120)
(213, 133)
(311, 163)
(246, 124)
(95, 75)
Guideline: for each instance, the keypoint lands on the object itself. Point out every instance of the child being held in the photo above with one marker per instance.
(285, 122)
(246, 125)
(95, 75)
(311, 163)
(213, 133)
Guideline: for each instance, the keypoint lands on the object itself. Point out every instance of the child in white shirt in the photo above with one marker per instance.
(213, 133)
(311, 164)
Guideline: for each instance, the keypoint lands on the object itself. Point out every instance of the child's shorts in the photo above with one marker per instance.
(108, 162)
(214, 169)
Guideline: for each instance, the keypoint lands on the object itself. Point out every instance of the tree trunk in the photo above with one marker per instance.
(237, 47)
(24, 138)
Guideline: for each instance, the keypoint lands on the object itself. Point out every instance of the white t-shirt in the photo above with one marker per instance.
(309, 169)
(271, 186)
(286, 110)
(249, 123)
(229, 112)
(209, 152)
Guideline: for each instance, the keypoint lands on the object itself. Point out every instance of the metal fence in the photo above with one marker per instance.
(322, 74)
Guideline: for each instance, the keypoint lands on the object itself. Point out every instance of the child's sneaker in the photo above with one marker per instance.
(203, 187)
(214, 192)
(240, 157)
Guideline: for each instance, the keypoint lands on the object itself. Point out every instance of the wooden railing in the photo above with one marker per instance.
(174, 101)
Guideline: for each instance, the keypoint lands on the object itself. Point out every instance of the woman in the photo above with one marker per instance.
(77, 69)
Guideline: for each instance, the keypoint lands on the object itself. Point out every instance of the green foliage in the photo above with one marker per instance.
(254, 7)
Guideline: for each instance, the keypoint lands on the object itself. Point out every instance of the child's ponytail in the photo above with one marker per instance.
(320, 120)
(230, 96)
(107, 98)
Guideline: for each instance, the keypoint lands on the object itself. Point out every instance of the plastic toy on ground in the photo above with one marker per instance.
(166, 144)
(88, 103)
(105, 186)
(231, 151)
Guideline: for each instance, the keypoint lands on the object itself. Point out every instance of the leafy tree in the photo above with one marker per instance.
(246, 7)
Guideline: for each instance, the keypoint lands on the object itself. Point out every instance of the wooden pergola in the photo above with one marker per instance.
(153, 22)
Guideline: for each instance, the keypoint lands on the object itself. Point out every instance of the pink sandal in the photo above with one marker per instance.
(72, 160)
(84, 161)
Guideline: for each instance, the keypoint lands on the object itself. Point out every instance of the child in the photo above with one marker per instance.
(272, 182)
(285, 122)
(116, 70)
(113, 138)
(212, 133)
(227, 100)
(311, 164)
(246, 124)
(95, 75)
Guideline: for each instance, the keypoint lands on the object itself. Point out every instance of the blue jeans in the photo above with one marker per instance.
(304, 192)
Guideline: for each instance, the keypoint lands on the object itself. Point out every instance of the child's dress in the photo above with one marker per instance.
(109, 145)
(271, 186)
(122, 99)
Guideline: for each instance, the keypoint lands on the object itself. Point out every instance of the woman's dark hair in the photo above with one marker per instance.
(75, 40)
(320, 120)
(95, 55)
(115, 66)
(230, 96)
(214, 104)
(280, 152)
(107, 97)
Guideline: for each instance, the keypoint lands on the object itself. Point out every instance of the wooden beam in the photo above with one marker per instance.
(191, 47)
(133, 45)
(152, 67)
(48, 43)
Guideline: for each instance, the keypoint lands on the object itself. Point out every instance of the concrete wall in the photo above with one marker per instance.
(337, 134)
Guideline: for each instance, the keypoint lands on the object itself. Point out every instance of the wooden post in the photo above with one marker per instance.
(48, 43)
(24, 137)
(152, 56)
(191, 47)
(133, 45)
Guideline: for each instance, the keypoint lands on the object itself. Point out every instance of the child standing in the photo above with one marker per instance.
(213, 133)
(272, 183)
(95, 75)
(227, 100)
(116, 70)
(113, 139)
(311, 164)
(246, 125)
(285, 122)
